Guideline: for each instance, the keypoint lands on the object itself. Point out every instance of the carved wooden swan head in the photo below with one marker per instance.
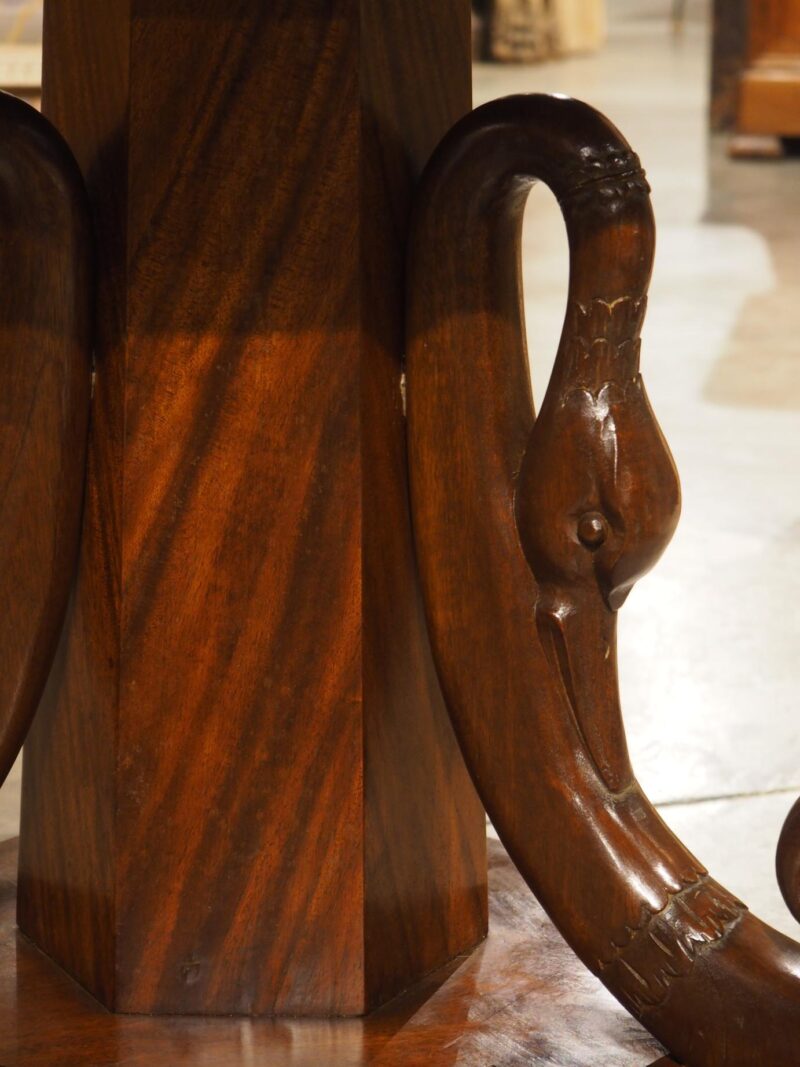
(597, 502)
(598, 496)
(531, 530)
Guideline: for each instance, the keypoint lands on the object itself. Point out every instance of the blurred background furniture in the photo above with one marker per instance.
(527, 31)
(769, 101)
(21, 46)
(755, 90)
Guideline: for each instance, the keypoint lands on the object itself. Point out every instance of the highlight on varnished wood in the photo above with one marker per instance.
(45, 372)
(531, 530)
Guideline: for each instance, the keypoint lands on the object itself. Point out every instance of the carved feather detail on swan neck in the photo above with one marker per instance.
(602, 341)
(668, 943)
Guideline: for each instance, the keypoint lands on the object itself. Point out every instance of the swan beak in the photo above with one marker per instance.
(580, 639)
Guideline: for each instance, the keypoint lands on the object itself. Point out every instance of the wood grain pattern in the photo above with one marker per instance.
(531, 530)
(73, 901)
(45, 375)
(243, 774)
(521, 999)
(423, 840)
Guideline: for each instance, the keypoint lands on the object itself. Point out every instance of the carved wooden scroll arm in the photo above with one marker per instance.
(45, 379)
(530, 533)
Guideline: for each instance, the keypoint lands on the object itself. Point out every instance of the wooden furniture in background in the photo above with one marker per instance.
(531, 532)
(518, 31)
(728, 53)
(755, 74)
(528, 31)
(242, 793)
(769, 90)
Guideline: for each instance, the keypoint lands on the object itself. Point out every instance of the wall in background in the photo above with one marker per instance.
(21, 21)
(627, 10)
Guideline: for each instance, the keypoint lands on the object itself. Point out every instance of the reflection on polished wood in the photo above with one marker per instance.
(521, 999)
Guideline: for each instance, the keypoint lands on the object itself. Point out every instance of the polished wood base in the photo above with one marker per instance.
(522, 998)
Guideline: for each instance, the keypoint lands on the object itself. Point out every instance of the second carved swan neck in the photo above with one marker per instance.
(531, 529)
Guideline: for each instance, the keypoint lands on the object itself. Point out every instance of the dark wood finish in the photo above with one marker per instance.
(45, 376)
(242, 793)
(521, 999)
(788, 861)
(530, 533)
(424, 838)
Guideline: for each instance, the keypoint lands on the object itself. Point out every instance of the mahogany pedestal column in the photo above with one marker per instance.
(242, 793)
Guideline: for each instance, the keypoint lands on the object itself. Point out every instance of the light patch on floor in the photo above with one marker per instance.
(10, 802)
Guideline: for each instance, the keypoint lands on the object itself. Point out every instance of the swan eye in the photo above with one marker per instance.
(592, 529)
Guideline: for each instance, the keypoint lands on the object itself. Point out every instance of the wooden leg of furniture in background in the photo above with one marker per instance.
(755, 78)
(242, 793)
(769, 87)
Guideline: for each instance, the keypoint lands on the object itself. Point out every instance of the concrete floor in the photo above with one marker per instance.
(710, 640)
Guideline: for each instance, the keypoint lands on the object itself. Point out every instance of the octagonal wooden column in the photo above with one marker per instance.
(242, 793)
